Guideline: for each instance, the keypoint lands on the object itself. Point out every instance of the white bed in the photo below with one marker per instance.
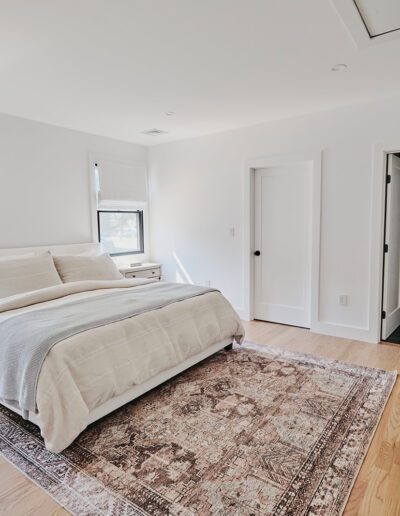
(87, 376)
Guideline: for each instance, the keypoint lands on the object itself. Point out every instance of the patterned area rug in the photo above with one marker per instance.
(246, 432)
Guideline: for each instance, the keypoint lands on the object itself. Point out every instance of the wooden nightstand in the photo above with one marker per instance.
(146, 270)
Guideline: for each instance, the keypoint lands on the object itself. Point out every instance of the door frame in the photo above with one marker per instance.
(385, 277)
(314, 156)
(377, 225)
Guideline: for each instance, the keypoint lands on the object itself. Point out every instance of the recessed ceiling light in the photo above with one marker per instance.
(154, 132)
(170, 113)
(339, 67)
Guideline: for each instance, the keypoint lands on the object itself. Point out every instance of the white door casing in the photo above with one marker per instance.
(391, 281)
(283, 235)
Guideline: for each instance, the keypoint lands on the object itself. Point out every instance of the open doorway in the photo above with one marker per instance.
(390, 329)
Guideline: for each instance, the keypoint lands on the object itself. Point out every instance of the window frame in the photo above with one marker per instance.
(141, 230)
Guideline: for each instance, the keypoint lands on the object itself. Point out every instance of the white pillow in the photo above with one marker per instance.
(26, 274)
(82, 268)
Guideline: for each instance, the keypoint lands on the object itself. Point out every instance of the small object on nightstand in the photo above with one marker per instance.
(144, 270)
(136, 264)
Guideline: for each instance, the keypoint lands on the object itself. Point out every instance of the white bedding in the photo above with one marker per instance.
(84, 371)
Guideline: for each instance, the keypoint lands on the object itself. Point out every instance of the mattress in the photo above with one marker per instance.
(86, 370)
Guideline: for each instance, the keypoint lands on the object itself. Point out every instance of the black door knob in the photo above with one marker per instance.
(257, 253)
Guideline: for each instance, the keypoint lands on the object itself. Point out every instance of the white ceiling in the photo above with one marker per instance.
(380, 16)
(114, 67)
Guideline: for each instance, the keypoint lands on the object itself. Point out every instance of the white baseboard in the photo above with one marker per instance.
(343, 331)
(331, 329)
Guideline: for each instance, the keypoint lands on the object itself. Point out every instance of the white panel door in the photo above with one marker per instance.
(283, 237)
(391, 283)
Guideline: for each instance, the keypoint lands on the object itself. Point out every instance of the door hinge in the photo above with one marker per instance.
(383, 314)
(388, 179)
(386, 248)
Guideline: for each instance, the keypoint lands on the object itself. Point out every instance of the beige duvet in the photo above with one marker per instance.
(84, 371)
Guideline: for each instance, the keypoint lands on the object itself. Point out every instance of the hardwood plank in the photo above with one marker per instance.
(392, 499)
(21, 497)
(376, 491)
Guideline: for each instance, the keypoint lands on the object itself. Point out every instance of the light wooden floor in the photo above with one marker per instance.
(377, 488)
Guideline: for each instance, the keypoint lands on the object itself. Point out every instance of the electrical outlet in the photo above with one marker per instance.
(343, 300)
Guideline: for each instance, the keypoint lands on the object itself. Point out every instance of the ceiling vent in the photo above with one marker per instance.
(154, 132)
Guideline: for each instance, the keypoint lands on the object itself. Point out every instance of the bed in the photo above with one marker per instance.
(89, 373)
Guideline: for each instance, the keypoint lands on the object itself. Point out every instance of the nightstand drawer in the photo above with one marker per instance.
(147, 273)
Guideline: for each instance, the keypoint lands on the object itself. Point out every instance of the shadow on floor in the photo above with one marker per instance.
(395, 336)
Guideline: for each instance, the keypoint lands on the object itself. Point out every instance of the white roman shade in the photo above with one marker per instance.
(121, 183)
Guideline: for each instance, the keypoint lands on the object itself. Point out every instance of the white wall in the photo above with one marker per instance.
(197, 194)
(196, 189)
(44, 181)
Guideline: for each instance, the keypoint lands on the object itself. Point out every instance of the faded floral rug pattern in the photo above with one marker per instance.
(246, 432)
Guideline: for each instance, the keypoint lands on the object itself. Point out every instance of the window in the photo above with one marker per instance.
(121, 232)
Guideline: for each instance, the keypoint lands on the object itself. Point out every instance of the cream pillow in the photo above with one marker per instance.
(26, 274)
(5, 257)
(81, 268)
